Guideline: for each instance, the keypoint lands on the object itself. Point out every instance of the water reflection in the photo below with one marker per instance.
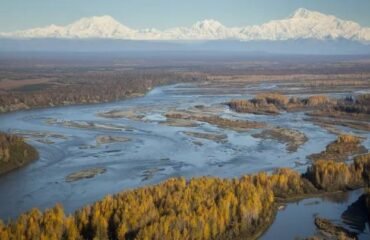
(296, 220)
(356, 216)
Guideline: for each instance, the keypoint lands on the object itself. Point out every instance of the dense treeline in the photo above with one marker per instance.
(273, 103)
(201, 208)
(329, 175)
(14, 152)
(360, 104)
(91, 87)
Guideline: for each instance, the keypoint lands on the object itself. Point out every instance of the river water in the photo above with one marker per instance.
(66, 138)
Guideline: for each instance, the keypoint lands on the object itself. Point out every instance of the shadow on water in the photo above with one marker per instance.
(356, 216)
(296, 220)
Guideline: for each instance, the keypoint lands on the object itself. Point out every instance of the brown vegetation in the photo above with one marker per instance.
(341, 149)
(332, 176)
(111, 139)
(319, 100)
(273, 98)
(7, 84)
(292, 138)
(353, 112)
(329, 175)
(89, 87)
(334, 230)
(86, 173)
(221, 138)
(253, 106)
(234, 124)
(273, 103)
(362, 164)
(331, 123)
(14, 152)
(357, 105)
(350, 112)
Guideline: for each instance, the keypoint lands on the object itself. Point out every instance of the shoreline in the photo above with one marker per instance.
(259, 232)
(133, 96)
(15, 153)
(74, 104)
(94, 92)
(8, 171)
(277, 200)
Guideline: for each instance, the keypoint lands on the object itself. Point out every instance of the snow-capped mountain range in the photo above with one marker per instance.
(302, 24)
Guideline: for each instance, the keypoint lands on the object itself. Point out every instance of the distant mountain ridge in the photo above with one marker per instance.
(302, 24)
(185, 48)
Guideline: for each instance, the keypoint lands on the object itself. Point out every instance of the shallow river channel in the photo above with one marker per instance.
(141, 149)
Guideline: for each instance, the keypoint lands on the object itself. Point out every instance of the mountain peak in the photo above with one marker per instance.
(98, 27)
(303, 13)
(302, 24)
(104, 18)
(98, 20)
(208, 24)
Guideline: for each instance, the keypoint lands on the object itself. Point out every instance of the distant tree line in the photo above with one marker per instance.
(273, 103)
(94, 87)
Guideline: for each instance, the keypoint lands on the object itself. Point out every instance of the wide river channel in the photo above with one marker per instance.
(141, 149)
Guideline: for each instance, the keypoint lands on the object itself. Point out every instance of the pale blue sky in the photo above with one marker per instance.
(161, 14)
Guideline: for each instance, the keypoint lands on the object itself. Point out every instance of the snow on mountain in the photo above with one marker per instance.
(94, 27)
(98, 27)
(302, 24)
(207, 29)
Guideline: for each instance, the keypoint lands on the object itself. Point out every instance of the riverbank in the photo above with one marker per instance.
(152, 155)
(15, 153)
(87, 89)
(203, 208)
